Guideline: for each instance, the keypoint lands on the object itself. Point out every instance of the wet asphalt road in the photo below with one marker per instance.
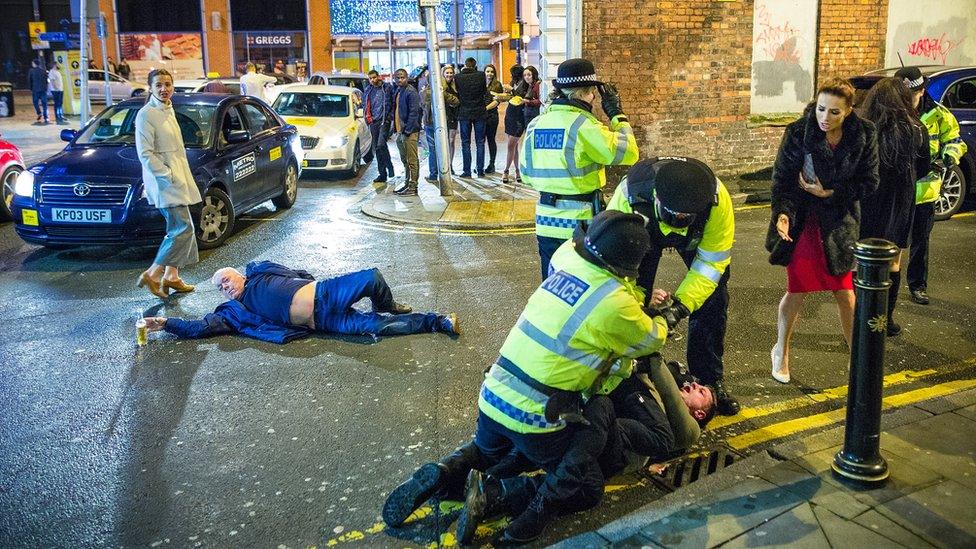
(232, 442)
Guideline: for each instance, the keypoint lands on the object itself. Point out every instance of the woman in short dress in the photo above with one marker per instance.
(514, 121)
(827, 162)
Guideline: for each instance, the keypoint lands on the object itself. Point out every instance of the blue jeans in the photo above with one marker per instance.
(431, 151)
(479, 142)
(334, 298)
(58, 97)
(40, 103)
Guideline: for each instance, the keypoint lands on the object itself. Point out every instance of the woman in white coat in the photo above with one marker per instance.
(169, 186)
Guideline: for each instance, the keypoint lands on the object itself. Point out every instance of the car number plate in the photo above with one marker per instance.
(80, 215)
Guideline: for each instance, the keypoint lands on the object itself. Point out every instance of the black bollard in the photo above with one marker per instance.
(860, 459)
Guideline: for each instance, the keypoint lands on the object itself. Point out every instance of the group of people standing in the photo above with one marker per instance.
(471, 101)
(42, 82)
(844, 174)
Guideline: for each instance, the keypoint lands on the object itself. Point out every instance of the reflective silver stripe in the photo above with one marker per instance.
(502, 376)
(650, 339)
(706, 270)
(622, 144)
(562, 204)
(714, 257)
(560, 344)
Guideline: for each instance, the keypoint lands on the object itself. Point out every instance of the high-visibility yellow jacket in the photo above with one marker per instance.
(943, 130)
(579, 332)
(712, 241)
(565, 151)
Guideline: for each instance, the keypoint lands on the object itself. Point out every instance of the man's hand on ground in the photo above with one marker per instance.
(155, 323)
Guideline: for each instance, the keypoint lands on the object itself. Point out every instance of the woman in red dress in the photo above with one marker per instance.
(827, 161)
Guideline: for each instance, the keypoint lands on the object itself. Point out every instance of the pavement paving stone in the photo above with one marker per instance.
(968, 412)
(797, 528)
(938, 443)
(790, 476)
(943, 514)
(736, 510)
(906, 476)
(949, 403)
(841, 532)
(590, 540)
(882, 525)
(637, 540)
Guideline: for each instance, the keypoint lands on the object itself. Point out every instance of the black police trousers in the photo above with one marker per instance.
(706, 326)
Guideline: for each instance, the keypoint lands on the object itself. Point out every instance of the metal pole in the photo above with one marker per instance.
(389, 39)
(860, 459)
(103, 25)
(441, 146)
(83, 54)
(457, 32)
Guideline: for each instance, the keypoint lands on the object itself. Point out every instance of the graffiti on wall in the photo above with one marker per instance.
(782, 55)
(921, 39)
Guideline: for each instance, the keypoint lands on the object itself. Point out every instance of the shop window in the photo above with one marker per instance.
(169, 16)
(358, 17)
(248, 15)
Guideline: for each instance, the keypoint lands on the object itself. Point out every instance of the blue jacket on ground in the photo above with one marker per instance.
(409, 101)
(231, 316)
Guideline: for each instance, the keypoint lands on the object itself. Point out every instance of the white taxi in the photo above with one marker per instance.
(331, 125)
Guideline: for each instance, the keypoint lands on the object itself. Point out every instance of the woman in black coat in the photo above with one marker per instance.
(903, 155)
(827, 162)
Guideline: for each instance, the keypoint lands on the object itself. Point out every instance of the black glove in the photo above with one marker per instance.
(645, 364)
(610, 100)
(673, 313)
(387, 126)
(949, 161)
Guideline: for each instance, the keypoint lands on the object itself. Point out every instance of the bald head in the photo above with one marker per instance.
(229, 281)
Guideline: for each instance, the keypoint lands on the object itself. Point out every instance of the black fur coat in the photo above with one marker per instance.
(851, 171)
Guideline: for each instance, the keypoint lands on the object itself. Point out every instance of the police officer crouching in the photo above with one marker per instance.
(566, 150)
(574, 340)
(687, 208)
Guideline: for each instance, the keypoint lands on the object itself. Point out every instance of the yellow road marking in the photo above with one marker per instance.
(833, 393)
(793, 426)
(967, 214)
(752, 207)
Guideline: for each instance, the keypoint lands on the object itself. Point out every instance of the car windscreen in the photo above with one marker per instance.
(324, 105)
(117, 126)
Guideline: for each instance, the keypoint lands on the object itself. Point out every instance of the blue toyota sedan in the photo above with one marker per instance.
(240, 151)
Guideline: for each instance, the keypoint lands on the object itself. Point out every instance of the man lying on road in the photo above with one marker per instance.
(273, 303)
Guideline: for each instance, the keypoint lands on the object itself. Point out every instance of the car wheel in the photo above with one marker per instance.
(952, 194)
(357, 158)
(216, 219)
(289, 192)
(9, 181)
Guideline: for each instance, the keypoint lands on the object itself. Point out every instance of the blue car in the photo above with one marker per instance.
(241, 154)
(955, 88)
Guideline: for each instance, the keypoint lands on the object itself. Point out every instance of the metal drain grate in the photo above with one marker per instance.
(689, 468)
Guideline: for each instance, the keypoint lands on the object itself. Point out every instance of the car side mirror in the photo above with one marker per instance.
(235, 137)
(360, 113)
(68, 135)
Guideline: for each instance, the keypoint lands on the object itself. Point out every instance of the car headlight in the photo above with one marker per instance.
(25, 184)
(335, 141)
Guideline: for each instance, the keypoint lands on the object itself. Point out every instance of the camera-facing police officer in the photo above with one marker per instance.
(688, 209)
(566, 150)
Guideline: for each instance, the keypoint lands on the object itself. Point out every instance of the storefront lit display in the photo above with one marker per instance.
(377, 16)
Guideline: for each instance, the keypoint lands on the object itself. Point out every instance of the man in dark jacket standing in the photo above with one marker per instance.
(406, 123)
(474, 96)
(377, 105)
(37, 80)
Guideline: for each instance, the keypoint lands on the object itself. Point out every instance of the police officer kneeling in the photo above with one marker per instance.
(567, 346)
(687, 208)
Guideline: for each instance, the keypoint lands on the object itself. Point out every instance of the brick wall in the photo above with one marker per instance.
(684, 70)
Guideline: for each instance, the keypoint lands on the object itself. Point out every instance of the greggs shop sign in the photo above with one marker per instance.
(270, 40)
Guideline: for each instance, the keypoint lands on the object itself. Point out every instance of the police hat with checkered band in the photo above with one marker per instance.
(576, 73)
(913, 77)
(680, 183)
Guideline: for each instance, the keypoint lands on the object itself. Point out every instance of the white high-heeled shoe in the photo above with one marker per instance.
(777, 360)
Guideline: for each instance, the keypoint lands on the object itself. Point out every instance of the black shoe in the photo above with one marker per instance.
(725, 403)
(919, 296)
(465, 174)
(893, 328)
(409, 496)
(481, 497)
(481, 174)
(406, 190)
(431, 179)
(397, 309)
(380, 179)
(490, 169)
(528, 526)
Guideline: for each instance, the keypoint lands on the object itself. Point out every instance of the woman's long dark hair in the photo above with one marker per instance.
(535, 83)
(889, 105)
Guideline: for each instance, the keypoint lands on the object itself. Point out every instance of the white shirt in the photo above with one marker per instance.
(54, 81)
(253, 84)
(166, 171)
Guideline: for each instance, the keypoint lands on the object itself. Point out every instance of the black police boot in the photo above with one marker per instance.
(409, 496)
(528, 526)
(893, 328)
(482, 498)
(456, 468)
(920, 296)
(725, 403)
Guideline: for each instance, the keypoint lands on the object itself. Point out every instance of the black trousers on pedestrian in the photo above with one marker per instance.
(918, 253)
(378, 139)
(491, 132)
(706, 327)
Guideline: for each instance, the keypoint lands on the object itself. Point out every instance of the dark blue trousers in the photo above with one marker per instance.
(378, 141)
(918, 253)
(706, 326)
(40, 103)
(479, 143)
(334, 298)
(547, 246)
